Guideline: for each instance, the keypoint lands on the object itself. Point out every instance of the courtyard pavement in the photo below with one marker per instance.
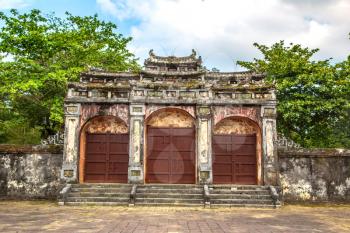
(39, 216)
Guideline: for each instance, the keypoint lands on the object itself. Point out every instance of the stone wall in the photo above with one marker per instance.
(306, 175)
(30, 172)
(315, 175)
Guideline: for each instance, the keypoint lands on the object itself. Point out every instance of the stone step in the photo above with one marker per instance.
(170, 195)
(84, 203)
(101, 185)
(241, 192)
(169, 200)
(95, 189)
(166, 190)
(239, 187)
(267, 206)
(171, 204)
(170, 186)
(238, 196)
(98, 199)
(241, 201)
(97, 194)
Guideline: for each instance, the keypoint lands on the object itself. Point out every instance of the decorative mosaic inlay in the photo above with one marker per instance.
(72, 109)
(68, 173)
(135, 172)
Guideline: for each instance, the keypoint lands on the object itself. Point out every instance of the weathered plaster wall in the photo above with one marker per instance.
(315, 175)
(30, 172)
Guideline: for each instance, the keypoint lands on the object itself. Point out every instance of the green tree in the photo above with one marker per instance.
(313, 96)
(40, 54)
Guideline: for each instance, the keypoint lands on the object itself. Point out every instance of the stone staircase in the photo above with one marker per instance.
(98, 194)
(242, 196)
(169, 195)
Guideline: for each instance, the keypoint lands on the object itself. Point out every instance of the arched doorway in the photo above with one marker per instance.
(236, 151)
(104, 151)
(170, 146)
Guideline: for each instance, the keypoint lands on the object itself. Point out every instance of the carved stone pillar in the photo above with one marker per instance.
(135, 172)
(71, 143)
(269, 133)
(204, 154)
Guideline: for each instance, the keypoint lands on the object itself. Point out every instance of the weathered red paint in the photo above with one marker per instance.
(221, 112)
(89, 111)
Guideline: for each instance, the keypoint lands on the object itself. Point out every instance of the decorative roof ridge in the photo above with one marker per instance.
(98, 85)
(172, 73)
(192, 58)
(110, 74)
(234, 74)
(231, 72)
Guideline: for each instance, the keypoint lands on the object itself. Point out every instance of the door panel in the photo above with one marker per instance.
(170, 155)
(107, 158)
(234, 159)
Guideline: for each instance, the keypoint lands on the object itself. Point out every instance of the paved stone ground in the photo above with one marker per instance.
(38, 216)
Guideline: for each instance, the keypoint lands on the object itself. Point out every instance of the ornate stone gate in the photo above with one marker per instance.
(172, 85)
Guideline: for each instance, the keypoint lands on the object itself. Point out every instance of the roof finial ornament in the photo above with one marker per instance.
(194, 53)
(151, 53)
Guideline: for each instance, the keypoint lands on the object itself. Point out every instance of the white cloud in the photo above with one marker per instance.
(123, 9)
(9, 4)
(224, 30)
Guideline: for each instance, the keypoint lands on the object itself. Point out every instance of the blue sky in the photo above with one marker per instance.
(81, 7)
(222, 31)
(76, 7)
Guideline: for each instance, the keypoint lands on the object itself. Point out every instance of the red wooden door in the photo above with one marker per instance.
(107, 157)
(234, 159)
(170, 155)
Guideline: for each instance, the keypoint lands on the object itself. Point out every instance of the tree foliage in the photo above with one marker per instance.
(313, 96)
(39, 55)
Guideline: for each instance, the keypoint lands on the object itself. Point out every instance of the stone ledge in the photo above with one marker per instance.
(39, 149)
(177, 101)
(314, 152)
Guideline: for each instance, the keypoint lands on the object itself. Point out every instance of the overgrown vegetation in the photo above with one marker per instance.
(313, 96)
(39, 55)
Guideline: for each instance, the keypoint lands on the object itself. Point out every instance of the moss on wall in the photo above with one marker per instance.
(315, 175)
(30, 172)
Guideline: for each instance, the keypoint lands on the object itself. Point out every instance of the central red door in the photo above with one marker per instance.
(107, 158)
(170, 155)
